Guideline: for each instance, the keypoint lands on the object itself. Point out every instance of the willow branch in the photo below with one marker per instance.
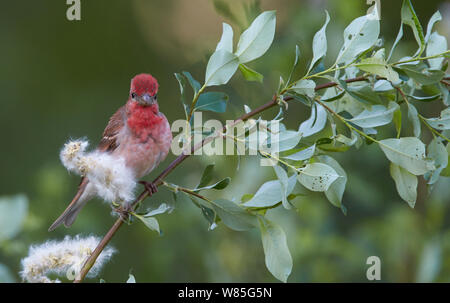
(159, 179)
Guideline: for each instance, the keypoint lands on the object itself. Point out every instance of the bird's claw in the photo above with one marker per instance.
(124, 211)
(149, 186)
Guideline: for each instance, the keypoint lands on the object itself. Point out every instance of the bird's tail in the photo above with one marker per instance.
(70, 213)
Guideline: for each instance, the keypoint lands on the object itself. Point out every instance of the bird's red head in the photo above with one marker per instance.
(142, 108)
(144, 89)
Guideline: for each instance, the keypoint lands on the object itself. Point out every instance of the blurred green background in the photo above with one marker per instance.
(61, 80)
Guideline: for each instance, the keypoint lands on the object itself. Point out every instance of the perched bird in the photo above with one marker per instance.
(138, 133)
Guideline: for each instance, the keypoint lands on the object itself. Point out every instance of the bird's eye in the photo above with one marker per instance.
(133, 95)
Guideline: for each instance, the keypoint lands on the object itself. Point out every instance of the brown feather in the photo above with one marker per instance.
(73, 205)
(116, 123)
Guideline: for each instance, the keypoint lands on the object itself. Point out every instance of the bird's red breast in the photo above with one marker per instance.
(143, 120)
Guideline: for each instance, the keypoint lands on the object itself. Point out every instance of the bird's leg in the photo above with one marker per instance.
(149, 186)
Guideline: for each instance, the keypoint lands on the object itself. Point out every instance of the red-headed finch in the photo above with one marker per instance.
(136, 139)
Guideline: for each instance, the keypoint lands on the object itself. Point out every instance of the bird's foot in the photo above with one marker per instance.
(149, 186)
(124, 211)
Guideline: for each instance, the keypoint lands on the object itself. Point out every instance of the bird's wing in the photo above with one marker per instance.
(116, 123)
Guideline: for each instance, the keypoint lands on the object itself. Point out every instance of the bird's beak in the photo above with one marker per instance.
(146, 99)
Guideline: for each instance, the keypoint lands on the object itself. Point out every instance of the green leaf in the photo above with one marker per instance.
(378, 115)
(430, 91)
(435, 18)
(332, 94)
(277, 256)
(270, 193)
(182, 82)
(421, 74)
(414, 118)
(249, 74)
(304, 87)
(210, 216)
(409, 18)
(297, 56)
(226, 41)
(222, 184)
(347, 141)
(382, 86)
(323, 141)
(208, 213)
(335, 192)
(406, 184)
(319, 43)
(436, 151)
(283, 140)
(425, 98)
(363, 93)
(359, 35)
(221, 67)
(13, 210)
(316, 121)
(397, 40)
(212, 101)
(281, 84)
(218, 185)
(407, 152)
(233, 215)
(148, 218)
(398, 120)
(162, 208)
(256, 40)
(446, 171)
(131, 279)
(181, 197)
(445, 94)
(150, 222)
(192, 82)
(378, 66)
(317, 176)
(206, 176)
(284, 185)
(437, 44)
(443, 122)
(303, 154)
